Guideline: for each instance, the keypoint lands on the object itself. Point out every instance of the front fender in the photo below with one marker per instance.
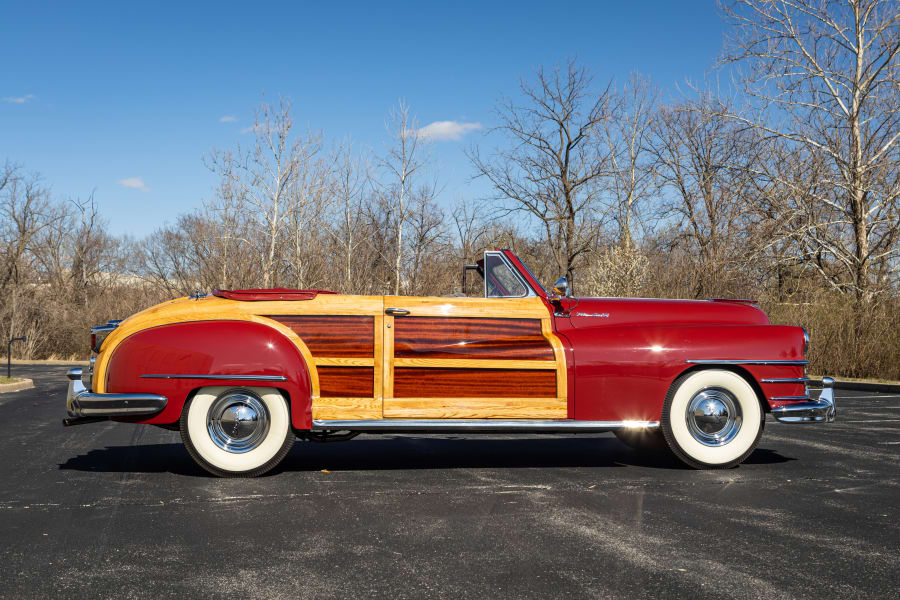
(624, 372)
(209, 348)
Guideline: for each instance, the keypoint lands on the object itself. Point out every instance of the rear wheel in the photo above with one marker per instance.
(712, 419)
(237, 432)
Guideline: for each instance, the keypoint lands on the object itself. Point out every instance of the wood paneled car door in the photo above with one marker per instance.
(472, 358)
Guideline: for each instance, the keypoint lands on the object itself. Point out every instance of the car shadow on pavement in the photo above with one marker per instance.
(390, 452)
(143, 458)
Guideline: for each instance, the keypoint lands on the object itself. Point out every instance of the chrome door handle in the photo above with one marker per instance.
(397, 312)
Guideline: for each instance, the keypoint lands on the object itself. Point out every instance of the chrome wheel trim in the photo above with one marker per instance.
(238, 421)
(713, 417)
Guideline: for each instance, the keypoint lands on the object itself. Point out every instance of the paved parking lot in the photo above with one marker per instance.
(121, 511)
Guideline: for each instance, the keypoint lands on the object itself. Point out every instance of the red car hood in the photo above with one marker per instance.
(591, 312)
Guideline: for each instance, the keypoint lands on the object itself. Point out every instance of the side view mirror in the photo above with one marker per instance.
(561, 287)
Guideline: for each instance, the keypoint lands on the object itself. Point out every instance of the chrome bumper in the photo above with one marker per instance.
(813, 411)
(82, 403)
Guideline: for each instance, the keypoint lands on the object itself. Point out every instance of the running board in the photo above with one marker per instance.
(483, 426)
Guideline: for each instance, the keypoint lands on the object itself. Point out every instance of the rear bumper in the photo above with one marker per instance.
(812, 411)
(82, 403)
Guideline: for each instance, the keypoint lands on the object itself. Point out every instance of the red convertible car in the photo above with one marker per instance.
(242, 373)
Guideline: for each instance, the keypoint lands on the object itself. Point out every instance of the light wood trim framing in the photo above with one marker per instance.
(327, 361)
(562, 388)
(347, 408)
(382, 361)
(474, 408)
(379, 360)
(387, 384)
(529, 308)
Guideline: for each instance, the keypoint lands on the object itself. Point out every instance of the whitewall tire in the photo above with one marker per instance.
(237, 432)
(712, 419)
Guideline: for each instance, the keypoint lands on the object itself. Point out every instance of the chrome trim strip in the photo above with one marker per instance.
(82, 403)
(789, 398)
(706, 361)
(822, 410)
(225, 376)
(786, 380)
(492, 425)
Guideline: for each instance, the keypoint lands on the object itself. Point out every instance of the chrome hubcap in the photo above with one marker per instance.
(713, 417)
(237, 421)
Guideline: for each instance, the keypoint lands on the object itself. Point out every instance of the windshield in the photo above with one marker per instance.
(499, 279)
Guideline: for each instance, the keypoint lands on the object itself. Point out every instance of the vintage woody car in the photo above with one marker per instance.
(242, 373)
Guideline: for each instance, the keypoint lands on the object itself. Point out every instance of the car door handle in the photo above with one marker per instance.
(397, 312)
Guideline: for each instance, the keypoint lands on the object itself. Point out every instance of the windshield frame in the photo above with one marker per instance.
(529, 290)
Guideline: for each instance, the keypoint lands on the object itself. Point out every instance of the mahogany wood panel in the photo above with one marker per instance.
(468, 337)
(473, 383)
(333, 335)
(469, 363)
(339, 382)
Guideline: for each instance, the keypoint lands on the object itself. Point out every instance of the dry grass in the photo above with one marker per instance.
(844, 342)
(861, 380)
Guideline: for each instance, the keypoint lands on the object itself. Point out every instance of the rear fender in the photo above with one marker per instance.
(259, 347)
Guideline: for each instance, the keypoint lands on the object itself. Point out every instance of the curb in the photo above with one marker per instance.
(867, 387)
(21, 361)
(25, 384)
(885, 388)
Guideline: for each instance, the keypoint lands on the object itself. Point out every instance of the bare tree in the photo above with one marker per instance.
(626, 135)
(310, 198)
(224, 210)
(707, 163)
(402, 167)
(266, 176)
(350, 180)
(824, 78)
(25, 211)
(427, 237)
(554, 160)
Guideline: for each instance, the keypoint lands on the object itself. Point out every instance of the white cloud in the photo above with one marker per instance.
(447, 130)
(257, 128)
(134, 182)
(228, 119)
(19, 99)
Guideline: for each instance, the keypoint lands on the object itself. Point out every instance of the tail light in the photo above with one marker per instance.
(99, 333)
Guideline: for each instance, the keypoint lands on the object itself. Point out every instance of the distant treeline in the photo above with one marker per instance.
(786, 190)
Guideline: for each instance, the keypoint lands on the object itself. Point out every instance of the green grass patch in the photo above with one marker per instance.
(4, 379)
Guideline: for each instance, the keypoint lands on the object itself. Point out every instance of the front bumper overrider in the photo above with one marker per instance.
(812, 411)
(82, 404)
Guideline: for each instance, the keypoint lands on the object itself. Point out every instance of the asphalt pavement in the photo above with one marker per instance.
(117, 510)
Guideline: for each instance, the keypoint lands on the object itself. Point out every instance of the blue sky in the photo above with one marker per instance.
(94, 95)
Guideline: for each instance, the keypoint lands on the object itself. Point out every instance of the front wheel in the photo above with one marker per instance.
(712, 419)
(237, 432)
